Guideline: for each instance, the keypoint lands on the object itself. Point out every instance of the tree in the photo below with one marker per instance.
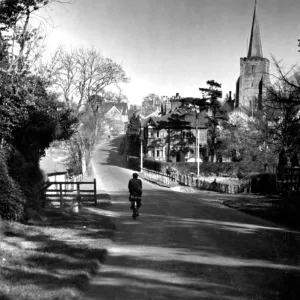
(178, 143)
(281, 111)
(19, 41)
(213, 94)
(150, 103)
(133, 135)
(82, 75)
(83, 72)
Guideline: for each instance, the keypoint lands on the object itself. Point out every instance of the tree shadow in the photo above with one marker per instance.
(196, 252)
(64, 251)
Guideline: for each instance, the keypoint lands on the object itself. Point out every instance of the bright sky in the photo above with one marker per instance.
(175, 46)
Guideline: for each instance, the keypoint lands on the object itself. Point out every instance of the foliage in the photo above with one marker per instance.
(28, 175)
(150, 103)
(13, 108)
(12, 200)
(175, 125)
(133, 163)
(20, 43)
(47, 120)
(133, 136)
(213, 95)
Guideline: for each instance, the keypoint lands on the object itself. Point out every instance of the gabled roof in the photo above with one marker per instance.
(122, 107)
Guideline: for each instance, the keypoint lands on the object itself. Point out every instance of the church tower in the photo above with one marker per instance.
(254, 71)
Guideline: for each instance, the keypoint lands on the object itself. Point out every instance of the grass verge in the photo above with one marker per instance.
(284, 210)
(53, 258)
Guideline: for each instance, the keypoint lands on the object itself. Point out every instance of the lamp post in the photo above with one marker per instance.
(141, 154)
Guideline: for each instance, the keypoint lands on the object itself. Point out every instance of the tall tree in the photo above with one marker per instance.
(19, 41)
(82, 75)
(213, 94)
(178, 143)
(281, 111)
(133, 135)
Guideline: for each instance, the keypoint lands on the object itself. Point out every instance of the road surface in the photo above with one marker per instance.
(189, 246)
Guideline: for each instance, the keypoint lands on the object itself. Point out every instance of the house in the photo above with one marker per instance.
(155, 135)
(115, 117)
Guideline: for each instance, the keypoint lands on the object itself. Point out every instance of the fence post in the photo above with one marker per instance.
(78, 193)
(60, 195)
(95, 192)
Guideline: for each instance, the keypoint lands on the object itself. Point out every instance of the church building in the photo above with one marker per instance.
(254, 72)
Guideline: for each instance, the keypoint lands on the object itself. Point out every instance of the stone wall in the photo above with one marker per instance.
(252, 81)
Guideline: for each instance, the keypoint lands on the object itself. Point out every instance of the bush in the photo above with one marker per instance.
(155, 165)
(12, 200)
(28, 175)
(133, 163)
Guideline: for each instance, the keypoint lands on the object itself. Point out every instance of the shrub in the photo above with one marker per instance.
(155, 165)
(133, 163)
(12, 200)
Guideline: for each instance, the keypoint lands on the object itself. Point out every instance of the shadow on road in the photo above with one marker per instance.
(180, 254)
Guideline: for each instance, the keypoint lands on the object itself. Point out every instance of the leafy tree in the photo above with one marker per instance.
(19, 41)
(176, 125)
(213, 94)
(133, 135)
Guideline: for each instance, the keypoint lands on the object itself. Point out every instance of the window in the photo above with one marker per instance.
(157, 134)
(157, 153)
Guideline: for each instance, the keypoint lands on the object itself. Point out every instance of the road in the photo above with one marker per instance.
(189, 246)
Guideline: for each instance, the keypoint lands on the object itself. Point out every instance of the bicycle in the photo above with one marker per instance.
(135, 200)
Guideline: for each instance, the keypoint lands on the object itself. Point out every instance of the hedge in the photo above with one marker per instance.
(12, 200)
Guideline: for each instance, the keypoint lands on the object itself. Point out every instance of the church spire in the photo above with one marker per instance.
(255, 49)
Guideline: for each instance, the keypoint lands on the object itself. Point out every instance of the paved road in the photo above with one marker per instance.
(188, 246)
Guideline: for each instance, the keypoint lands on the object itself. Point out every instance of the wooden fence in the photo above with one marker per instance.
(69, 193)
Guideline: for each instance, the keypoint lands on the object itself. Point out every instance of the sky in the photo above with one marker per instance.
(175, 46)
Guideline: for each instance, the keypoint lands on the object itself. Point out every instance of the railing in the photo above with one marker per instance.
(161, 178)
(190, 180)
(71, 193)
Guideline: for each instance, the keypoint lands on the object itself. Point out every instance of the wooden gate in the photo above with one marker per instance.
(66, 193)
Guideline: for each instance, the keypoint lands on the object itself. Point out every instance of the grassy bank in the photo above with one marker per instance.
(54, 257)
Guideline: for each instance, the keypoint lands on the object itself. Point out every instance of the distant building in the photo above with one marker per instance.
(115, 116)
(254, 71)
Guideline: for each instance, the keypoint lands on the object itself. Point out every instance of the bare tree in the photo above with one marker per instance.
(282, 111)
(19, 40)
(82, 76)
(83, 72)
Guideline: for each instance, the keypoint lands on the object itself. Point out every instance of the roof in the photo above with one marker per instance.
(153, 120)
(122, 107)
(255, 48)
